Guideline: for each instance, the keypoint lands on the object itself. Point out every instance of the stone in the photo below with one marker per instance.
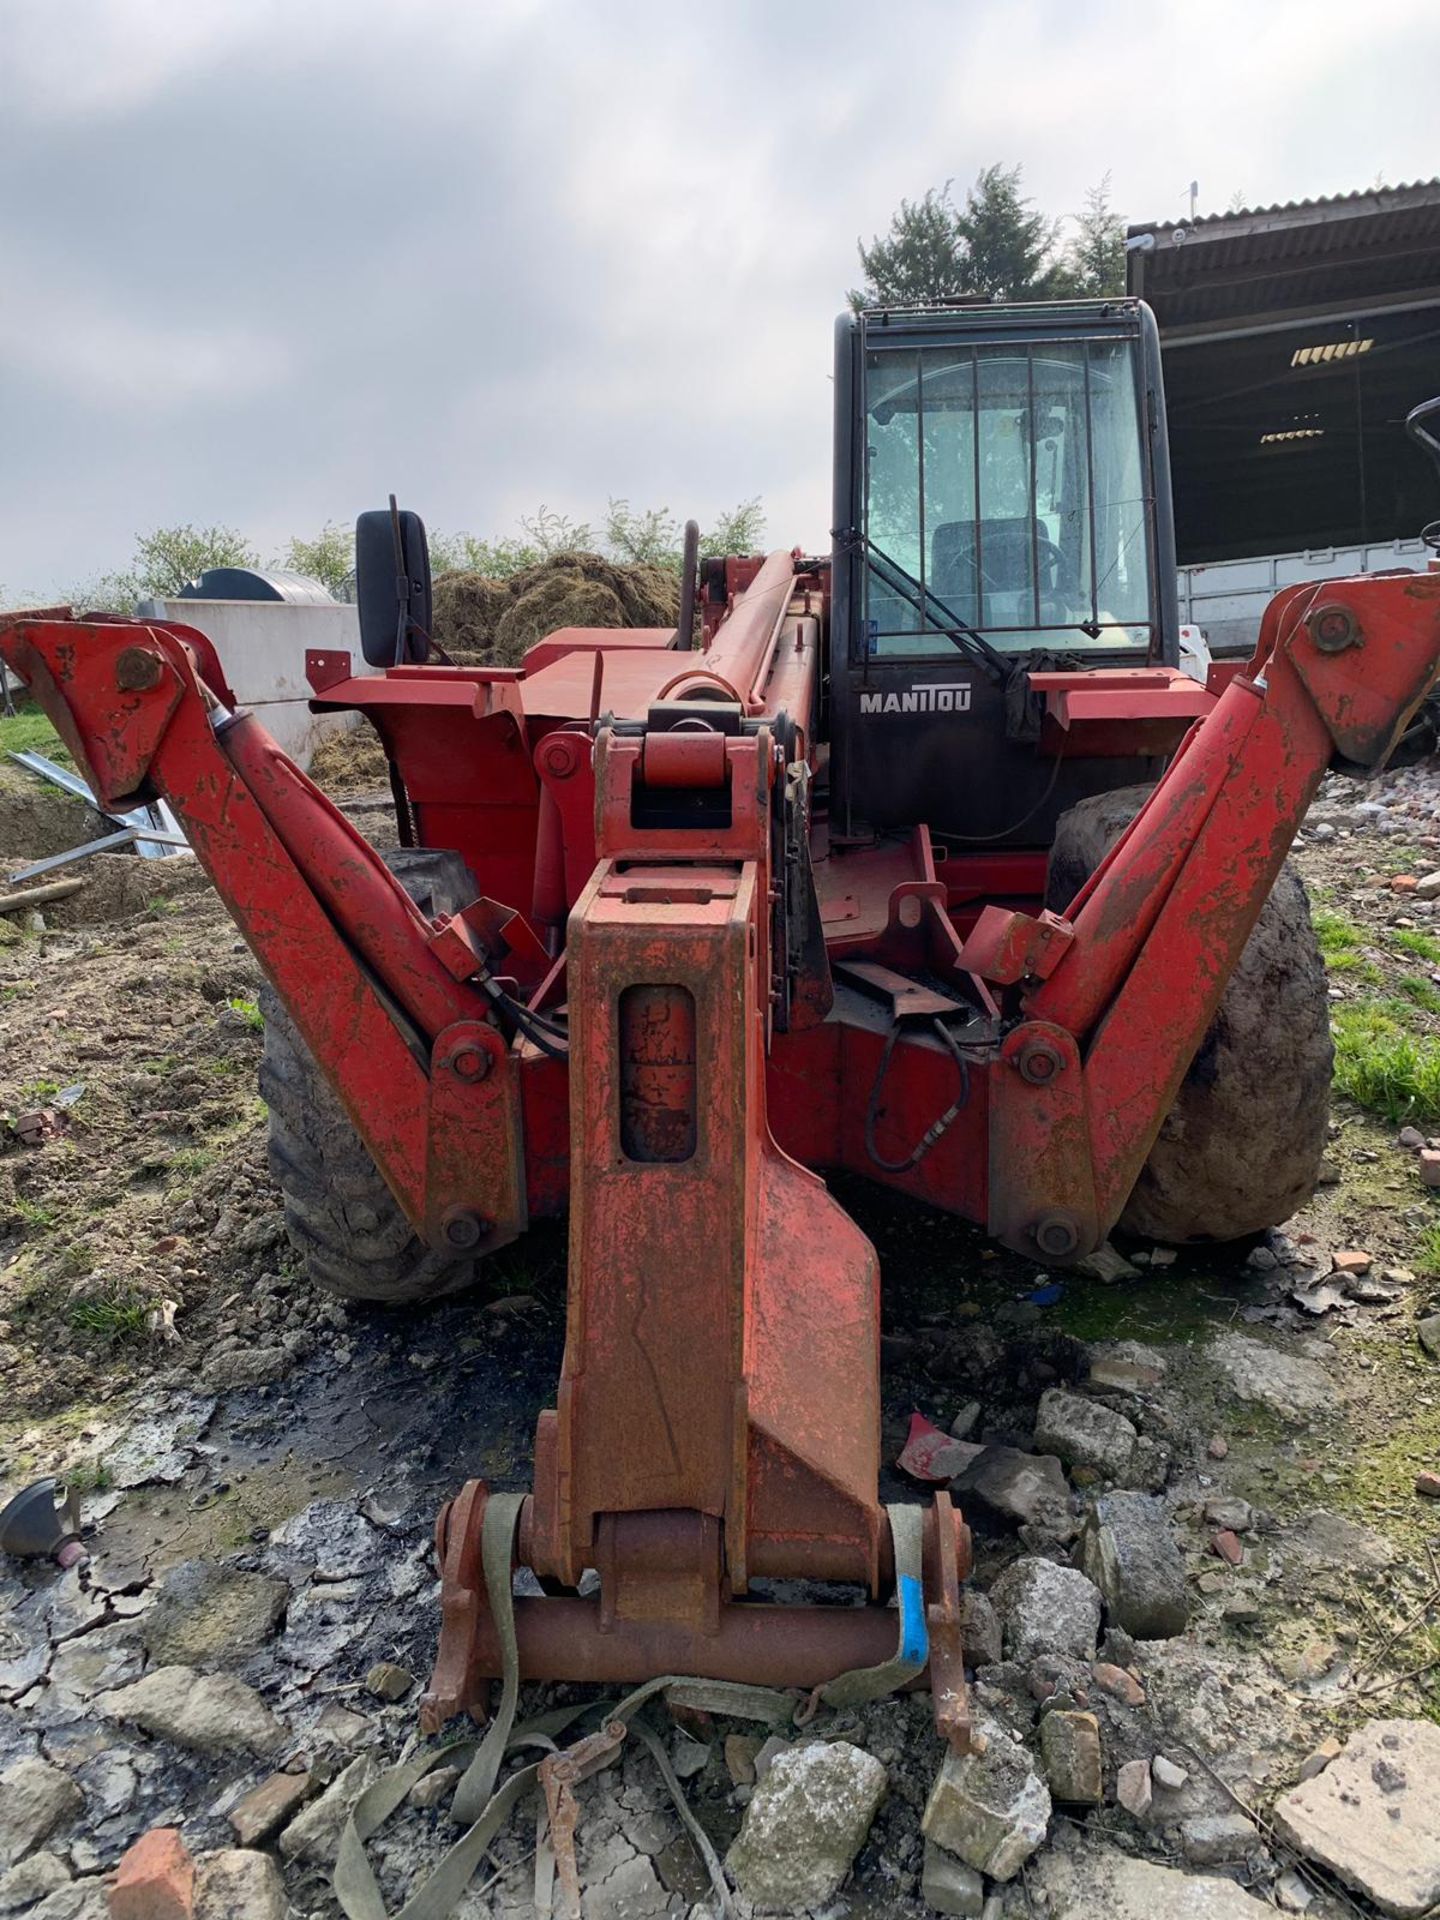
(1352, 1260)
(155, 1879)
(266, 1808)
(1125, 1366)
(81, 1900)
(806, 1821)
(1237, 1515)
(1070, 1748)
(237, 1884)
(773, 1745)
(630, 1891)
(1215, 1839)
(388, 1682)
(980, 1635)
(1427, 1332)
(1167, 1774)
(1226, 1546)
(1129, 1551)
(1317, 1762)
(330, 1538)
(1427, 1483)
(1218, 1447)
(211, 1712)
(1119, 1684)
(1083, 1433)
(435, 1788)
(1104, 1884)
(688, 1757)
(35, 1798)
(1029, 1488)
(1429, 1160)
(1107, 1264)
(947, 1885)
(1373, 1816)
(1046, 1609)
(1294, 1388)
(1133, 1787)
(965, 1421)
(30, 1880)
(207, 1614)
(740, 1752)
(1291, 1893)
(989, 1807)
(315, 1833)
(1410, 1138)
(1427, 887)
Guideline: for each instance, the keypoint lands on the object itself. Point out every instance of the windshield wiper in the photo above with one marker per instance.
(967, 639)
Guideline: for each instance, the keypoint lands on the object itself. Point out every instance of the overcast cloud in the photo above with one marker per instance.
(261, 263)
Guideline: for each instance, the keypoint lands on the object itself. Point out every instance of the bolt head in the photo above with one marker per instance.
(137, 670)
(1333, 629)
(1039, 1062)
(470, 1063)
(1057, 1235)
(463, 1228)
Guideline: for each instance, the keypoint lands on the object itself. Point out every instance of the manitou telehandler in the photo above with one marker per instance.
(923, 860)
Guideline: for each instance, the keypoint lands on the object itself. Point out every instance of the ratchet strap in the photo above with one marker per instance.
(483, 1808)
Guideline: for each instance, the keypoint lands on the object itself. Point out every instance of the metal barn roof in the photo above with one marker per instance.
(1374, 250)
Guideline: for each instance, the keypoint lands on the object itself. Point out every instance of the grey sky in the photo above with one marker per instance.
(261, 263)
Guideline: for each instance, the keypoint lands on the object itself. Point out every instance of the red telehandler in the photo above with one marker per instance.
(923, 859)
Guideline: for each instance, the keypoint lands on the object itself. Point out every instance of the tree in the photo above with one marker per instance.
(328, 558)
(1007, 244)
(171, 557)
(742, 530)
(1093, 266)
(922, 259)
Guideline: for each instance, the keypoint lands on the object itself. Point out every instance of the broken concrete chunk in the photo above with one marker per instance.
(266, 1808)
(315, 1833)
(979, 1629)
(947, 1885)
(207, 1614)
(35, 1798)
(1070, 1747)
(330, 1537)
(1094, 1883)
(1128, 1550)
(237, 1884)
(1215, 1839)
(806, 1821)
(1083, 1433)
(1373, 1816)
(1107, 1264)
(32, 1880)
(991, 1807)
(1295, 1388)
(211, 1712)
(1046, 1609)
(1026, 1487)
(1167, 1774)
(435, 1788)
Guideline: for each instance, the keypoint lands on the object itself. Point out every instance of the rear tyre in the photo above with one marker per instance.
(1241, 1148)
(352, 1237)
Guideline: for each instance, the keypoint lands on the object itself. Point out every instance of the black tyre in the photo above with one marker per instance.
(1241, 1148)
(347, 1227)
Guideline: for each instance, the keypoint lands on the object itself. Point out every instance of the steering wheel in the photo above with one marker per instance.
(1066, 574)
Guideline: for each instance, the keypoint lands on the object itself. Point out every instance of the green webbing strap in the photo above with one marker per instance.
(862, 1684)
(483, 1810)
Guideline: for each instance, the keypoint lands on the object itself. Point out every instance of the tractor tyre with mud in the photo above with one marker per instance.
(349, 1230)
(1241, 1148)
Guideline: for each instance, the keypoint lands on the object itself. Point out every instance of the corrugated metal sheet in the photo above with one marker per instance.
(1348, 249)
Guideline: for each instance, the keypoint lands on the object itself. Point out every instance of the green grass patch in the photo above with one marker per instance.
(190, 1161)
(1335, 933)
(116, 1315)
(1420, 946)
(28, 731)
(1421, 993)
(249, 1012)
(1354, 966)
(34, 1214)
(1382, 1064)
(1427, 1254)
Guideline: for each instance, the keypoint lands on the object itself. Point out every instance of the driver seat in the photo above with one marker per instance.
(1005, 548)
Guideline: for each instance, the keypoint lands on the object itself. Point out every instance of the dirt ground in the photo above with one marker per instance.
(144, 1269)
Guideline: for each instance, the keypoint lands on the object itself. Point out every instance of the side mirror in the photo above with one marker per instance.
(392, 587)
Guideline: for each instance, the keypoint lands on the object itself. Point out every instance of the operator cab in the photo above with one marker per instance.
(1002, 502)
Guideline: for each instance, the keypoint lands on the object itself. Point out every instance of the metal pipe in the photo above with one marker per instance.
(744, 643)
(690, 561)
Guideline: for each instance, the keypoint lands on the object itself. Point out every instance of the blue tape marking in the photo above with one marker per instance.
(914, 1638)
